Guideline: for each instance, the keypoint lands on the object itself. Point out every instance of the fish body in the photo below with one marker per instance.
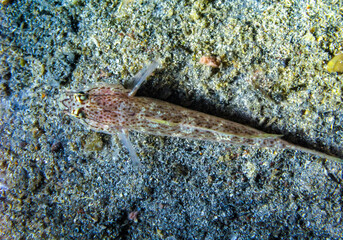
(112, 108)
(108, 108)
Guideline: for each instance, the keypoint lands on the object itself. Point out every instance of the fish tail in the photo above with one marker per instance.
(314, 152)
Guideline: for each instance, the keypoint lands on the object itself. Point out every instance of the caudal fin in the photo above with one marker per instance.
(314, 152)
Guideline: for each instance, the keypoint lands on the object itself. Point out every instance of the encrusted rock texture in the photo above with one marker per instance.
(259, 63)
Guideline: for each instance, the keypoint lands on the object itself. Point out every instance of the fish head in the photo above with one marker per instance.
(92, 103)
(74, 103)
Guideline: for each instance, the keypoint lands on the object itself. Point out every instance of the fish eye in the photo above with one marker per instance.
(78, 113)
(81, 96)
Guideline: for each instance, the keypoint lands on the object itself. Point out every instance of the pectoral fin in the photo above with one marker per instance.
(142, 75)
(123, 136)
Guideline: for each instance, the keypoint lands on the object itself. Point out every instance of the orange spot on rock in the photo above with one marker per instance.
(210, 61)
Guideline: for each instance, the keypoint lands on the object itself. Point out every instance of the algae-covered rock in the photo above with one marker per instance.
(93, 142)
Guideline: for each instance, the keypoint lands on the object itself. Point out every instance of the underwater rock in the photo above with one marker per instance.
(335, 64)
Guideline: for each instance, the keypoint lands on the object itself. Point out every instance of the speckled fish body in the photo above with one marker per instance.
(108, 108)
(112, 108)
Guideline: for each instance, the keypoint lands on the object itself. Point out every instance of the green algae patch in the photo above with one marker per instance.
(93, 142)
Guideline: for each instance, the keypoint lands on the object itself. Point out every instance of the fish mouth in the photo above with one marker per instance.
(64, 102)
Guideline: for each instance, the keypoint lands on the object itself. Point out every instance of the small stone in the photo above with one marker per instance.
(210, 61)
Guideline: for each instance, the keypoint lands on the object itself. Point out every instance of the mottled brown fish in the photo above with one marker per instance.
(115, 110)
